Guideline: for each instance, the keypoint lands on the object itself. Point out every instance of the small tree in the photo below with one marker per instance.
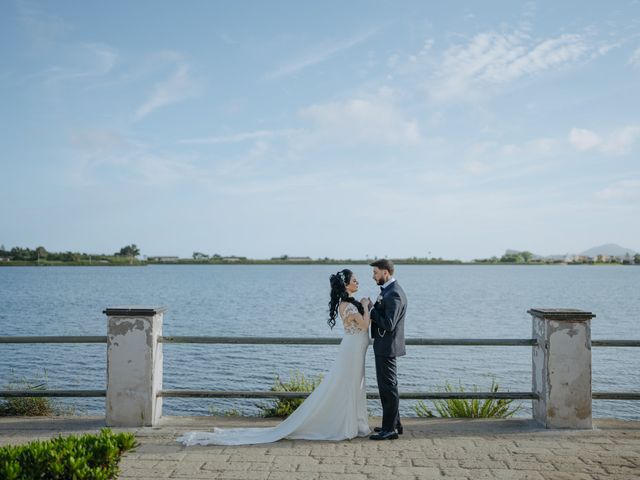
(526, 256)
(41, 252)
(130, 251)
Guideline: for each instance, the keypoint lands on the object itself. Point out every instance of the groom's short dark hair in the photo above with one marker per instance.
(384, 264)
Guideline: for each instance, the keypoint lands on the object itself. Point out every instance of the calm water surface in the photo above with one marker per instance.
(275, 300)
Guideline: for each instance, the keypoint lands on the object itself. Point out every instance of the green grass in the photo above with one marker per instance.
(31, 406)
(283, 407)
(469, 408)
(231, 412)
(89, 456)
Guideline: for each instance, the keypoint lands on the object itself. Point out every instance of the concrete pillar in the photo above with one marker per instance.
(134, 366)
(562, 367)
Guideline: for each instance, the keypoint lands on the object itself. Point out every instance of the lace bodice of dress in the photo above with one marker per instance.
(351, 328)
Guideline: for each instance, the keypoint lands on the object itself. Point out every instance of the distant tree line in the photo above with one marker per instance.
(42, 255)
(528, 258)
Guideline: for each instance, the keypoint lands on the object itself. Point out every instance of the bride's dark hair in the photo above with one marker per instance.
(339, 282)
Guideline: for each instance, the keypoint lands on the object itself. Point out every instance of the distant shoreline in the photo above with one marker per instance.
(269, 262)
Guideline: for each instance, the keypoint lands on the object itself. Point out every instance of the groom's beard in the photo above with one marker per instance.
(381, 282)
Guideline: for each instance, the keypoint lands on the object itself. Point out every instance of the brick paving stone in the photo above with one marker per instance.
(437, 463)
(517, 475)
(271, 467)
(341, 476)
(482, 464)
(430, 449)
(522, 465)
(245, 475)
(137, 473)
(342, 460)
(323, 468)
(390, 462)
(296, 460)
(565, 476)
(296, 476)
(369, 469)
(463, 472)
(422, 472)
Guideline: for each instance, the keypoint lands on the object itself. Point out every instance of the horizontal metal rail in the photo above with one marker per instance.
(55, 339)
(615, 395)
(269, 394)
(496, 342)
(373, 395)
(370, 395)
(337, 340)
(52, 393)
(615, 343)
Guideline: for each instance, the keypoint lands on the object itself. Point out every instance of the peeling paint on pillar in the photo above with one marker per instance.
(562, 367)
(134, 366)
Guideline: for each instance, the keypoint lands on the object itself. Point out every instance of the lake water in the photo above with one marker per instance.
(278, 300)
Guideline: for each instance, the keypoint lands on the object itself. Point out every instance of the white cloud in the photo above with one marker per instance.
(91, 61)
(634, 60)
(237, 137)
(584, 139)
(103, 154)
(476, 167)
(98, 140)
(492, 59)
(619, 142)
(42, 27)
(622, 141)
(371, 119)
(537, 147)
(319, 55)
(179, 86)
(508, 160)
(623, 190)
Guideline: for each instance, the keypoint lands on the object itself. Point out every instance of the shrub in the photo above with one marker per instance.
(31, 406)
(469, 408)
(231, 412)
(88, 456)
(283, 407)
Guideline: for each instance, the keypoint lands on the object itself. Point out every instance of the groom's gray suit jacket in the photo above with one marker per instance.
(387, 322)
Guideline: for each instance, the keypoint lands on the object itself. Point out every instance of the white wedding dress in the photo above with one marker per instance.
(335, 410)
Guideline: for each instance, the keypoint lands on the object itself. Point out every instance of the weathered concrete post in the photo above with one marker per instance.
(562, 367)
(134, 366)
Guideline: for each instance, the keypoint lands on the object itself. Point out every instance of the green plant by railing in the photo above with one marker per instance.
(469, 408)
(231, 412)
(283, 407)
(31, 406)
(81, 457)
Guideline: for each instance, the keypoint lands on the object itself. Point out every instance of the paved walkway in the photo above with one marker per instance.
(452, 449)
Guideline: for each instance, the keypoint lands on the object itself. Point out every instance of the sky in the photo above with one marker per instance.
(325, 129)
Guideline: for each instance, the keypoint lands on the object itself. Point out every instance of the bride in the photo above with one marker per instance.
(337, 408)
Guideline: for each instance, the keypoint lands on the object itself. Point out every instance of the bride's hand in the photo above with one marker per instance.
(365, 302)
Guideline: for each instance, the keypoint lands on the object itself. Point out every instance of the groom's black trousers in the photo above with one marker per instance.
(386, 375)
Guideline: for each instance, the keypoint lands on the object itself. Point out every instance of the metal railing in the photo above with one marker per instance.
(494, 342)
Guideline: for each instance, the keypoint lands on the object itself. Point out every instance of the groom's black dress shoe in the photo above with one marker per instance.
(382, 435)
(399, 429)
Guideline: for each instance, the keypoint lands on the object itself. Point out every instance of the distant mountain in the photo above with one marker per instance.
(610, 249)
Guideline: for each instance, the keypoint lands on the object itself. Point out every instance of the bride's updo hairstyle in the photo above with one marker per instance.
(339, 282)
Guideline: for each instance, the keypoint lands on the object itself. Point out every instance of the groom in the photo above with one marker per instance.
(387, 331)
